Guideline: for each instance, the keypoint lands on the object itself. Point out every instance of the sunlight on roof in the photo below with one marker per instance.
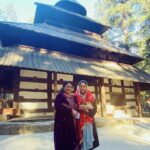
(84, 71)
(60, 56)
(11, 57)
(26, 48)
(113, 66)
(43, 51)
(103, 70)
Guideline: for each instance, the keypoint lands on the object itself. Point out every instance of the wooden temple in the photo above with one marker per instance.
(64, 44)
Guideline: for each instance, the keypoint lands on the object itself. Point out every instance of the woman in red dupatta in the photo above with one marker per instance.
(87, 107)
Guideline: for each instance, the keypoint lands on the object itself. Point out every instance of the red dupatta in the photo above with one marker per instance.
(84, 118)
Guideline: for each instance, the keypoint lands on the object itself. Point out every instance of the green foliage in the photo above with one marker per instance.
(130, 23)
(145, 52)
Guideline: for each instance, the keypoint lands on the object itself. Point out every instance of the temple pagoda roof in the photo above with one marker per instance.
(48, 36)
(42, 59)
(53, 14)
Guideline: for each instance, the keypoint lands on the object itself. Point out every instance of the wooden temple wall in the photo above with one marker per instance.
(34, 98)
(120, 98)
(35, 91)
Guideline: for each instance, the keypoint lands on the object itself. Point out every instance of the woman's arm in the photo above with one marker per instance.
(59, 104)
(93, 111)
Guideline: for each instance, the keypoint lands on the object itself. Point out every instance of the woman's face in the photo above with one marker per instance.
(68, 88)
(83, 88)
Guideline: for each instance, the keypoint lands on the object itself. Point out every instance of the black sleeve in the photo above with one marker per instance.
(92, 112)
(59, 104)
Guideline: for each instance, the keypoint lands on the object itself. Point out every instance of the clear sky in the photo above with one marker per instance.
(25, 9)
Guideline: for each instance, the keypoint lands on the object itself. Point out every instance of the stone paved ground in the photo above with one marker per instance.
(111, 138)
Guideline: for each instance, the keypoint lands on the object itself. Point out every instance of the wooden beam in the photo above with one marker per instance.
(130, 100)
(30, 69)
(110, 85)
(33, 79)
(4, 68)
(33, 90)
(138, 98)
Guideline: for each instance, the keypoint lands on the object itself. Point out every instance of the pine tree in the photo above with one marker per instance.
(125, 17)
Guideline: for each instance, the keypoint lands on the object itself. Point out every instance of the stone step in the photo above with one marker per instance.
(14, 128)
(32, 119)
(39, 125)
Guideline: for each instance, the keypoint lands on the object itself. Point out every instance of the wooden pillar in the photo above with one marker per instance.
(123, 92)
(75, 82)
(55, 84)
(122, 86)
(138, 98)
(49, 89)
(96, 90)
(98, 98)
(110, 85)
(102, 96)
(16, 84)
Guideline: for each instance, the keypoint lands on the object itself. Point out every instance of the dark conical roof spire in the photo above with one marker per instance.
(72, 5)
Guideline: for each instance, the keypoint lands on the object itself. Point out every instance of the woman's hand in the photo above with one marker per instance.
(76, 114)
(83, 108)
(89, 106)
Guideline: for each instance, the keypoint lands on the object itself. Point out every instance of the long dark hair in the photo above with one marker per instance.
(64, 84)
